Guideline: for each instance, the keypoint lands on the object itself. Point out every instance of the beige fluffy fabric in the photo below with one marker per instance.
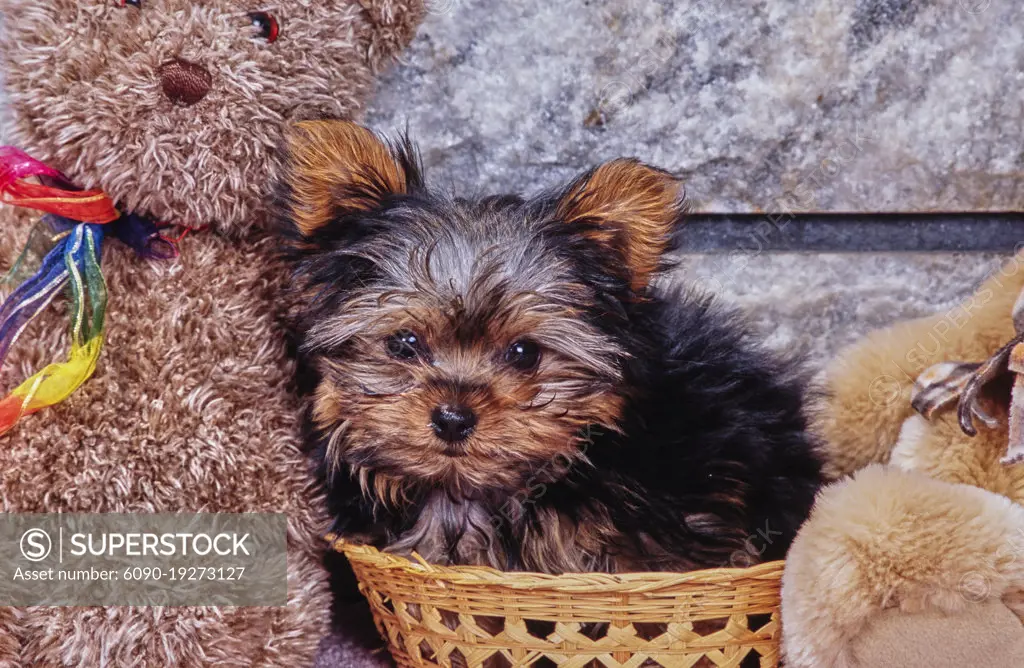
(935, 539)
(190, 408)
(892, 539)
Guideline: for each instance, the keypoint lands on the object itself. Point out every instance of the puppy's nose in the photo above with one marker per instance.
(183, 82)
(452, 423)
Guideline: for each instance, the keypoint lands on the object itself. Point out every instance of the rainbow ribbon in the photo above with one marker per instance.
(79, 221)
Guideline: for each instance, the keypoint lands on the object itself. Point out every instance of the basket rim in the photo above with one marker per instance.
(636, 582)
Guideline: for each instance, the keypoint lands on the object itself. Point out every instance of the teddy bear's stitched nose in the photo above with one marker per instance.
(184, 82)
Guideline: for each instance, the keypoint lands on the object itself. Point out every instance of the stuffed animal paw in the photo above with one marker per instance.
(895, 568)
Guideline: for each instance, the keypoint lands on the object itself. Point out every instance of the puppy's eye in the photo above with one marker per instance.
(266, 25)
(133, 3)
(523, 355)
(404, 345)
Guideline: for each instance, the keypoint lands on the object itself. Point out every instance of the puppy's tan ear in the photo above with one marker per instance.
(337, 167)
(628, 206)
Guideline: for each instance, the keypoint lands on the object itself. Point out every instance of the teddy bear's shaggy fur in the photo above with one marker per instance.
(920, 562)
(190, 407)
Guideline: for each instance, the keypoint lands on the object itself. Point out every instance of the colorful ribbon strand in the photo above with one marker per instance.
(86, 206)
(73, 263)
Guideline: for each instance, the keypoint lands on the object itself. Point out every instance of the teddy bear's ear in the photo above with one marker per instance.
(337, 168)
(629, 207)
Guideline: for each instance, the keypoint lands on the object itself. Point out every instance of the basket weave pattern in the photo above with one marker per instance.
(476, 617)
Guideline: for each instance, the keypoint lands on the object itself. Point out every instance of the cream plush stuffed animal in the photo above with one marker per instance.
(918, 558)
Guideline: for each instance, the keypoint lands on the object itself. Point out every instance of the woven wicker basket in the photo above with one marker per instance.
(477, 617)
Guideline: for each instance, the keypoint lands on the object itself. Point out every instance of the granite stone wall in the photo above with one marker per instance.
(838, 105)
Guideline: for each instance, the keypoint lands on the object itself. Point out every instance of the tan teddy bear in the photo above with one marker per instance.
(175, 109)
(918, 558)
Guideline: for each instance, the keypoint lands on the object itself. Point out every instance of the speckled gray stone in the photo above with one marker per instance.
(813, 304)
(839, 105)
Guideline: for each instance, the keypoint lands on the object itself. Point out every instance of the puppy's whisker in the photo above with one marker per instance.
(532, 405)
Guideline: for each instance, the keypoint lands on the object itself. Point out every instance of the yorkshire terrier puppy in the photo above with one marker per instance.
(495, 381)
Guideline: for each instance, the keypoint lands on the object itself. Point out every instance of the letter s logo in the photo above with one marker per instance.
(36, 544)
